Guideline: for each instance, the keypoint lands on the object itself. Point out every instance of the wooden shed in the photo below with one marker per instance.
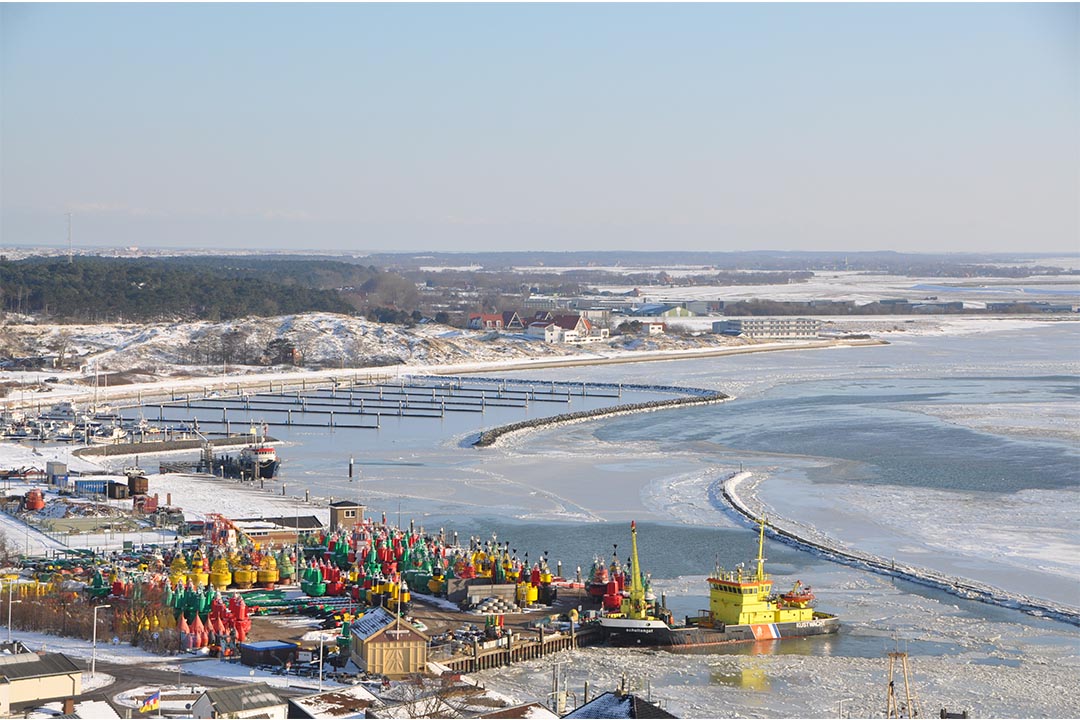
(345, 514)
(384, 644)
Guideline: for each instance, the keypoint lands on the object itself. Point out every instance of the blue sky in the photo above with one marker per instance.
(608, 126)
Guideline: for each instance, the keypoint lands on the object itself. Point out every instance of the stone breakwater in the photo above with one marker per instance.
(699, 397)
(725, 494)
(562, 384)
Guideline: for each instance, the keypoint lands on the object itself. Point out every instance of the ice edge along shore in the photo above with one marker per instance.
(725, 494)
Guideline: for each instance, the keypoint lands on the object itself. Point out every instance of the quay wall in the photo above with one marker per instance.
(700, 392)
(157, 446)
(726, 493)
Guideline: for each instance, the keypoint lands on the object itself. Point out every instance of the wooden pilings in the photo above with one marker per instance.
(519, 651)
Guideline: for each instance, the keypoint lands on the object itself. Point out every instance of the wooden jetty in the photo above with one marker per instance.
(521, 649)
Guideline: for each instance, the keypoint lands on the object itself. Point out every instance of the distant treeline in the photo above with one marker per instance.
(97, 289)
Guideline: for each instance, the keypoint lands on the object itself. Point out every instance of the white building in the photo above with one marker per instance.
(771, 328)
(567, 329)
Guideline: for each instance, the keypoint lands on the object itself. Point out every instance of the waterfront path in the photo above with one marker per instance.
(734, 493)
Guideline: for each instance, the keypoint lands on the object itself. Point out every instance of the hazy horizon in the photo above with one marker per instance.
(438, 128)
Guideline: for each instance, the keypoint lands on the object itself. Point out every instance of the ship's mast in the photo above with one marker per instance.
(761, 552)
(637, 591)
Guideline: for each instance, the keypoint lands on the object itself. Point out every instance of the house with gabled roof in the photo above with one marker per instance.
(512, 322)
(547, 330)
(567, 329)
(485, 321)
(384, 644)
(248, 700)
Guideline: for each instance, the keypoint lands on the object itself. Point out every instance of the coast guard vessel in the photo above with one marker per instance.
(742, 608)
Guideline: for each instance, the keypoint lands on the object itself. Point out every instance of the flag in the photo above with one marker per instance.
(151, 703)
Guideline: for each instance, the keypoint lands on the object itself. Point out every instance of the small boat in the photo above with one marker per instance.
(799, 596)
(259, 461)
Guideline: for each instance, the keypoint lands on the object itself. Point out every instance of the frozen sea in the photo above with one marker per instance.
(955, 452)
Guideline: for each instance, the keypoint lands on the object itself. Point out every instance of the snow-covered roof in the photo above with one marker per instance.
(345, 703)
(616, 705)
(243, 698)
(371, 622)
(529, 711)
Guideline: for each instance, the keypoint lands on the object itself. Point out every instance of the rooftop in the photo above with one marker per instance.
(32, 665)
(242, 698)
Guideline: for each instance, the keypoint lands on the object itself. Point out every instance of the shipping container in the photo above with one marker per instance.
(90, 487)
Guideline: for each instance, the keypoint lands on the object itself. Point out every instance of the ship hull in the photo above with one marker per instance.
(266, 470)
(620, 632)
(243, 468)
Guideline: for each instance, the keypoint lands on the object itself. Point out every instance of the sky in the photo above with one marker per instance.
(413, 127)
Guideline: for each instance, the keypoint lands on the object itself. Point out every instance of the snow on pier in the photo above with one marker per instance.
(747, 506)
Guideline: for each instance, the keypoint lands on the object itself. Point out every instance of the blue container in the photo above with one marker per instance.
(90, 487)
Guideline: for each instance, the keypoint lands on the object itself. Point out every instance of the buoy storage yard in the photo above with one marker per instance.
(339, 538)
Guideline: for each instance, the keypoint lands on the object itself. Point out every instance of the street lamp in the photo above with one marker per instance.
(93, 652)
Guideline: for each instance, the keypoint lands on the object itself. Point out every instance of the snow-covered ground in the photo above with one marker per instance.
(864, 288)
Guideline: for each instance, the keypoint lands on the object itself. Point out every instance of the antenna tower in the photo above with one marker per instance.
(893, 707)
